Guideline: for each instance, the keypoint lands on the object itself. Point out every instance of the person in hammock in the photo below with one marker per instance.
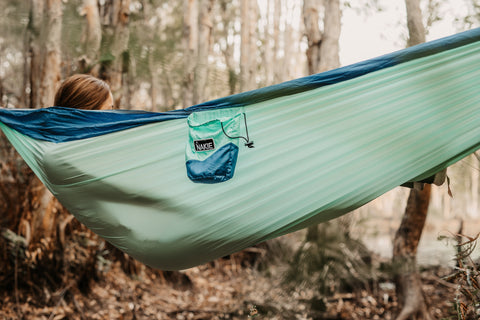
(82, 91)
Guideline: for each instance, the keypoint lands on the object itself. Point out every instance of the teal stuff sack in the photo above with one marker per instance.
(212, 149)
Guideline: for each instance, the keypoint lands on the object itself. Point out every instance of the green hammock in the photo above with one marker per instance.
(181, 188)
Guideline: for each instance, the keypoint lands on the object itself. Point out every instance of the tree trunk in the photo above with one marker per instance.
(148, 11)
(52, 56)
(24, 98)
(267, 60)
(407, 279)
(91, 37)
(205, 27)
(45, 26)
(228, 21)
(153, 81)
(115, 57)
(249, 12)
(323, 48)
(190, 46)
(329, 48)
(416, 30)
(34, 40)
(311, 18)
(321, 55)
(277, 12)
(288, 46)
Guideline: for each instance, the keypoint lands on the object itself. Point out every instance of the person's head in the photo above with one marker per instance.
(82, 91)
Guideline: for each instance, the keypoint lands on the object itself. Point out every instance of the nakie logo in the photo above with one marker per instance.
(204, 145)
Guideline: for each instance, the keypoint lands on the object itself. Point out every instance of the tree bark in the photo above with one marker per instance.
(323, 48)
(34, 40)
(416, 30)
(311, 18)
(190, 46)
(24, 98)
(321, 55)
(267, 60)
(288, 47)
(153, 81)
(91, 37)
(407, 278)
(205, 27)
(249, 12)
(45, 28)
(115, 57)
(52, 57)
(148, 12)
(329, 48)
(277, 12)
(228, 21)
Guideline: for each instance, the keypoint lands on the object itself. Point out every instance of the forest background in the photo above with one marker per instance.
(161, 55)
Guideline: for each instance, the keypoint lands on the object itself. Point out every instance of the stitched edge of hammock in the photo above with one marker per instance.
(57, 124)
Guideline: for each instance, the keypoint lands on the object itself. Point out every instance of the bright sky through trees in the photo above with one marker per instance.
(368, 35)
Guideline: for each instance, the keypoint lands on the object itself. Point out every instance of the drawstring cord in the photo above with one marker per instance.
(248, 143)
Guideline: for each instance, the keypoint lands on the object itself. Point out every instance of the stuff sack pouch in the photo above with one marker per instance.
(212, 148)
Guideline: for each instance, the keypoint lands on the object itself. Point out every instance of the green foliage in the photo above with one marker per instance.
(332, 262)
(366, 7)
(107, 58)
(472, 19)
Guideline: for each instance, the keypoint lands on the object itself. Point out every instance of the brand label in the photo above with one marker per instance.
(204, 145)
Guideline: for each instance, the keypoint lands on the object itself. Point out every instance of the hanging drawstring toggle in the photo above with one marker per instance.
(248, 143)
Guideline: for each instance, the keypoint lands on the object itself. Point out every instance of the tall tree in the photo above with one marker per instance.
(190, 46)
(407, 278)
(91, 36)
(43, 216)
(115, 55)
(197, 39)
(323, 49)
(34, 43)
(311, 18)
(227, 45)
(277, 12)
(329, 57)
(267, 61)
(12, 53)
(407, 237)
(37, 218)
(248, 65)
(45, 29)
(287, 43)
(52, 56)
(205, 26)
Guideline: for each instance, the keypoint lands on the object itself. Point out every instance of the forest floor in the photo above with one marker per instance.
(224, 290)
(248, 285)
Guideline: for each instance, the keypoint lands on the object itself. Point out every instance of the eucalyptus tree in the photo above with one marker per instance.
(323, 48)
(249, 17)
(407, 278)
(13, 52)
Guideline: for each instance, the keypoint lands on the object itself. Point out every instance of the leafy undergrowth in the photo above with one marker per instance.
(226, 289)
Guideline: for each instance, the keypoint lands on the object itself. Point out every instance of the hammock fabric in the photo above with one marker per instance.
(181, 188)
